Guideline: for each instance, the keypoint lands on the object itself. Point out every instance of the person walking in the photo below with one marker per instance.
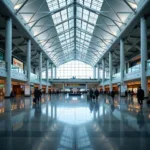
(112, 94)
(40, 95)
(140, 96)
(96, 94)
(129, 94)
(37, 95)
(91, 93)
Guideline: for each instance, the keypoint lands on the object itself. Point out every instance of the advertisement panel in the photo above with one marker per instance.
(27, 90)
(123, 89)
(17, 63)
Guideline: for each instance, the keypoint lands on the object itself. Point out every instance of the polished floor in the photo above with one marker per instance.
(63, 122)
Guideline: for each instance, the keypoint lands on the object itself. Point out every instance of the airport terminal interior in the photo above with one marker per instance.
(71, 73)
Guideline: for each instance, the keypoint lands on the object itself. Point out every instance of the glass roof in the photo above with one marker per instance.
(73, 20)
(76, 29)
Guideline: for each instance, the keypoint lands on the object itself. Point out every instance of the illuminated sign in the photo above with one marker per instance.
(17, 63)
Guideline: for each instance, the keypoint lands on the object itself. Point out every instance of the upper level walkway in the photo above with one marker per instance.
(75, 81)
(61, 122)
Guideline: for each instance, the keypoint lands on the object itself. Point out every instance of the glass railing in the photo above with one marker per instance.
(134, 69)
(117, 75)
(148, 64)
(17, 69)
(2, 64)
(34, 76)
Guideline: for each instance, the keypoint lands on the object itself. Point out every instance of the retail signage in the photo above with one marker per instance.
(27, 90)
(17, 63)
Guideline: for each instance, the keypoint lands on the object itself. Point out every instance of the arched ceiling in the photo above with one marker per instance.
(75, 29)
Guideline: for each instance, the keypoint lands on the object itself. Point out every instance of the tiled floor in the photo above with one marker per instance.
(61, 122)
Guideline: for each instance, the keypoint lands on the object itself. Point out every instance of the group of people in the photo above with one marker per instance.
(37, 95)
(93, 94)
(129, 93)
(140, 95)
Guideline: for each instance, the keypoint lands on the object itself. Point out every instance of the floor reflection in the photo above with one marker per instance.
(63, 122)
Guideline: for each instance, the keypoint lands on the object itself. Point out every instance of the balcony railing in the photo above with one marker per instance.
(17, 69)
(117, 75)
(134, 69)
(2, 65)
(34, 76)
(148, 64)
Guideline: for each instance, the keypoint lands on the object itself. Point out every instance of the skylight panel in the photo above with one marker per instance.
(87, 3)
(59, 28)
(52, 4)
(94, 4)
(71, 23)
(56, 18)
(71, 34)
(83, 35)
(67, 36)
(88, 36)
(85, 14)
(79, 12)
(64, 14)
(65, 25)
(93, 18)
(78, 23)
(56, 4)
(84, 25)
(70, 12)
(69, 1)
(78, 34)
(62, 3)
(90, 28)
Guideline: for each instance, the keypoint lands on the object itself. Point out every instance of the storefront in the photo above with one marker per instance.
(18, 87)
(2, 87)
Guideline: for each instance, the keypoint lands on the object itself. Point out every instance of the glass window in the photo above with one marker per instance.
(75, 69)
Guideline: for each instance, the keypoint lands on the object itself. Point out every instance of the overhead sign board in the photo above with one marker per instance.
(17, 63)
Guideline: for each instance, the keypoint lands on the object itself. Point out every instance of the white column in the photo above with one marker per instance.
(40, 70)
(47, 80)
(103, 69)
(51, 71)
(55, 72)
(122, 62)
(86, 87)
(28, 61)
(144, 54)
(110, 71)
(8, 56)
(94, 72)
(98, 71)
(63, 87)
